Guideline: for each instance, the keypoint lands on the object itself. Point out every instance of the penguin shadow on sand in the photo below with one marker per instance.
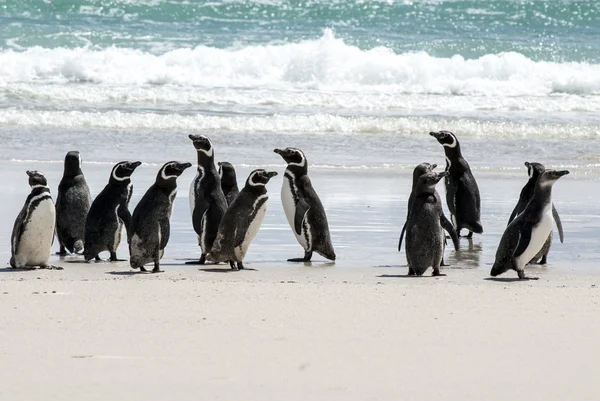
(405, 275)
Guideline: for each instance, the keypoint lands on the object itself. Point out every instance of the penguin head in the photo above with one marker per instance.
(445, 138)
(428, 181)
(72, 163)
(260, 178)
(202, 144)
(171, 170)
(292, 156)
(122, 171)
(534, 170)
(36, 179)
(549, 177)
(226, 172)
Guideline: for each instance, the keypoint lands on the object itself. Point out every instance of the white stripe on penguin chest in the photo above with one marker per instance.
(288, 190)
(539, 235)
(240, 252)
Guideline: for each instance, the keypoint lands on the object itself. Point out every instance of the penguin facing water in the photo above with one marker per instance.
(534, 170)
(462, 192)
(33, 231)
(109, 213)
(242, 221)
(207, 201)
(303, 208)
(150, 225)
(228, 181)
(527, 233)
(72, 206)
(418, 171)
(424, 233)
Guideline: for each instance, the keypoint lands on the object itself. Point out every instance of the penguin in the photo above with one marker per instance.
(303, 208)
(462, 193)
(527, 233)
(150, 227)
(207, 201)
(424, 233)
(109, 213)
(33, 231)
(534, 170)
(242, 221)
(228, 181)
(72, 205)
(419, 170)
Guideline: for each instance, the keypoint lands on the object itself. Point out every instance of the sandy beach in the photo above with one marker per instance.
(97, 333)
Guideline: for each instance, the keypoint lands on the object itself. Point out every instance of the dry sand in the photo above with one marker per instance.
(98, 332)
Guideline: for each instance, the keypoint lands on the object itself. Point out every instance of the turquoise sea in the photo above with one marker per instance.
(358, 85)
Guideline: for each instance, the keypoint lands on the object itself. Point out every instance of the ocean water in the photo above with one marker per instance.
(357, 85)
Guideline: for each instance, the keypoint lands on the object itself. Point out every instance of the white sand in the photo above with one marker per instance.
(296, 333)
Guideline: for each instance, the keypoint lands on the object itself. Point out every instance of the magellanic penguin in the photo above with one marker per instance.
(424, 233)
(228, 181)
(207, 201)
(534, 171)
(462, 193)
(303, 208)
(150, 226)
(527, 233)
(242, 221)
(419, 170)
(72, 205)
(109, 212)
(33, 231)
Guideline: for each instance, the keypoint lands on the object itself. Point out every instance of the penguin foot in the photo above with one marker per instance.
(240, 265)
(306, 258)
(143, 269)
(442, 263)
(543, 261)
(470, 235)
(113, 258)
(201, 261)
(411, 272)
(436, 273)
(52, 267)
(157, 270)
(232, 265)
(522, 276)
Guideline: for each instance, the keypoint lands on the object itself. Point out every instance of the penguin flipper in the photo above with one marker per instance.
(524, 239)
(451, 189)
(302, 208)
(447, 225)
(200, 208)
(402, 235)
(18, 229)
(125, 215)
(165, 231)
(558, 224)
(513, 214)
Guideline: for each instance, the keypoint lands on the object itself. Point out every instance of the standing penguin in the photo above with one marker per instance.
(534, 171)
(33, 231)
(207, 201)
(424, 233)
(109, 212)
(462, 193)
(72, 206)
(242, 220)
(527, 233)
(150, 226)
(228, 181)
(419, 170)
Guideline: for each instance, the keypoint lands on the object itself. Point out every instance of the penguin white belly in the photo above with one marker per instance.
(36, 240)
(289, 207)
(193, 194)
(539, 235)
(240, 251)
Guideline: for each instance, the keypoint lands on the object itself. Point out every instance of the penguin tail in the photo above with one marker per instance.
(477, 228)
(329, 254)
(497, 269)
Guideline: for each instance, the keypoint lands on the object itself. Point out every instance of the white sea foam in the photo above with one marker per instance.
(325, 64)
(291, 124)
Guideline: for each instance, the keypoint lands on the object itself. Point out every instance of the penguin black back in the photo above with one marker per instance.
(72, 205)
(109, 212)
(228, 181)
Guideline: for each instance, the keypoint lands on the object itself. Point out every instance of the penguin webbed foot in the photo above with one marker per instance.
(436, 273)
(201, 261)
(157, 268)
(52, 267)
(113, 258)
(411, 272)
(522, 276)
(443, 263)
(307, 257)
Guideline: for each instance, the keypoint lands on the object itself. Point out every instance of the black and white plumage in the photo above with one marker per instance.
(228, 181)
(33, 231)
(527, 233)
(419, 170)
(207, 201)
(109, 213)
(534, 170)
(424, 233)
(462, 192)
(150, 226)
(72, 205)
(242, 220)
(303, 208)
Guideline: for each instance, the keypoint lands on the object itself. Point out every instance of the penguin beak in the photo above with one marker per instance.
(30, 173)
(433, 166)
(443, 174)
(271, 174)
(135, 165)
(278, 151)
(560, 173)
(434, 134)
(219, 164)
(527, 164)
(183, 166)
